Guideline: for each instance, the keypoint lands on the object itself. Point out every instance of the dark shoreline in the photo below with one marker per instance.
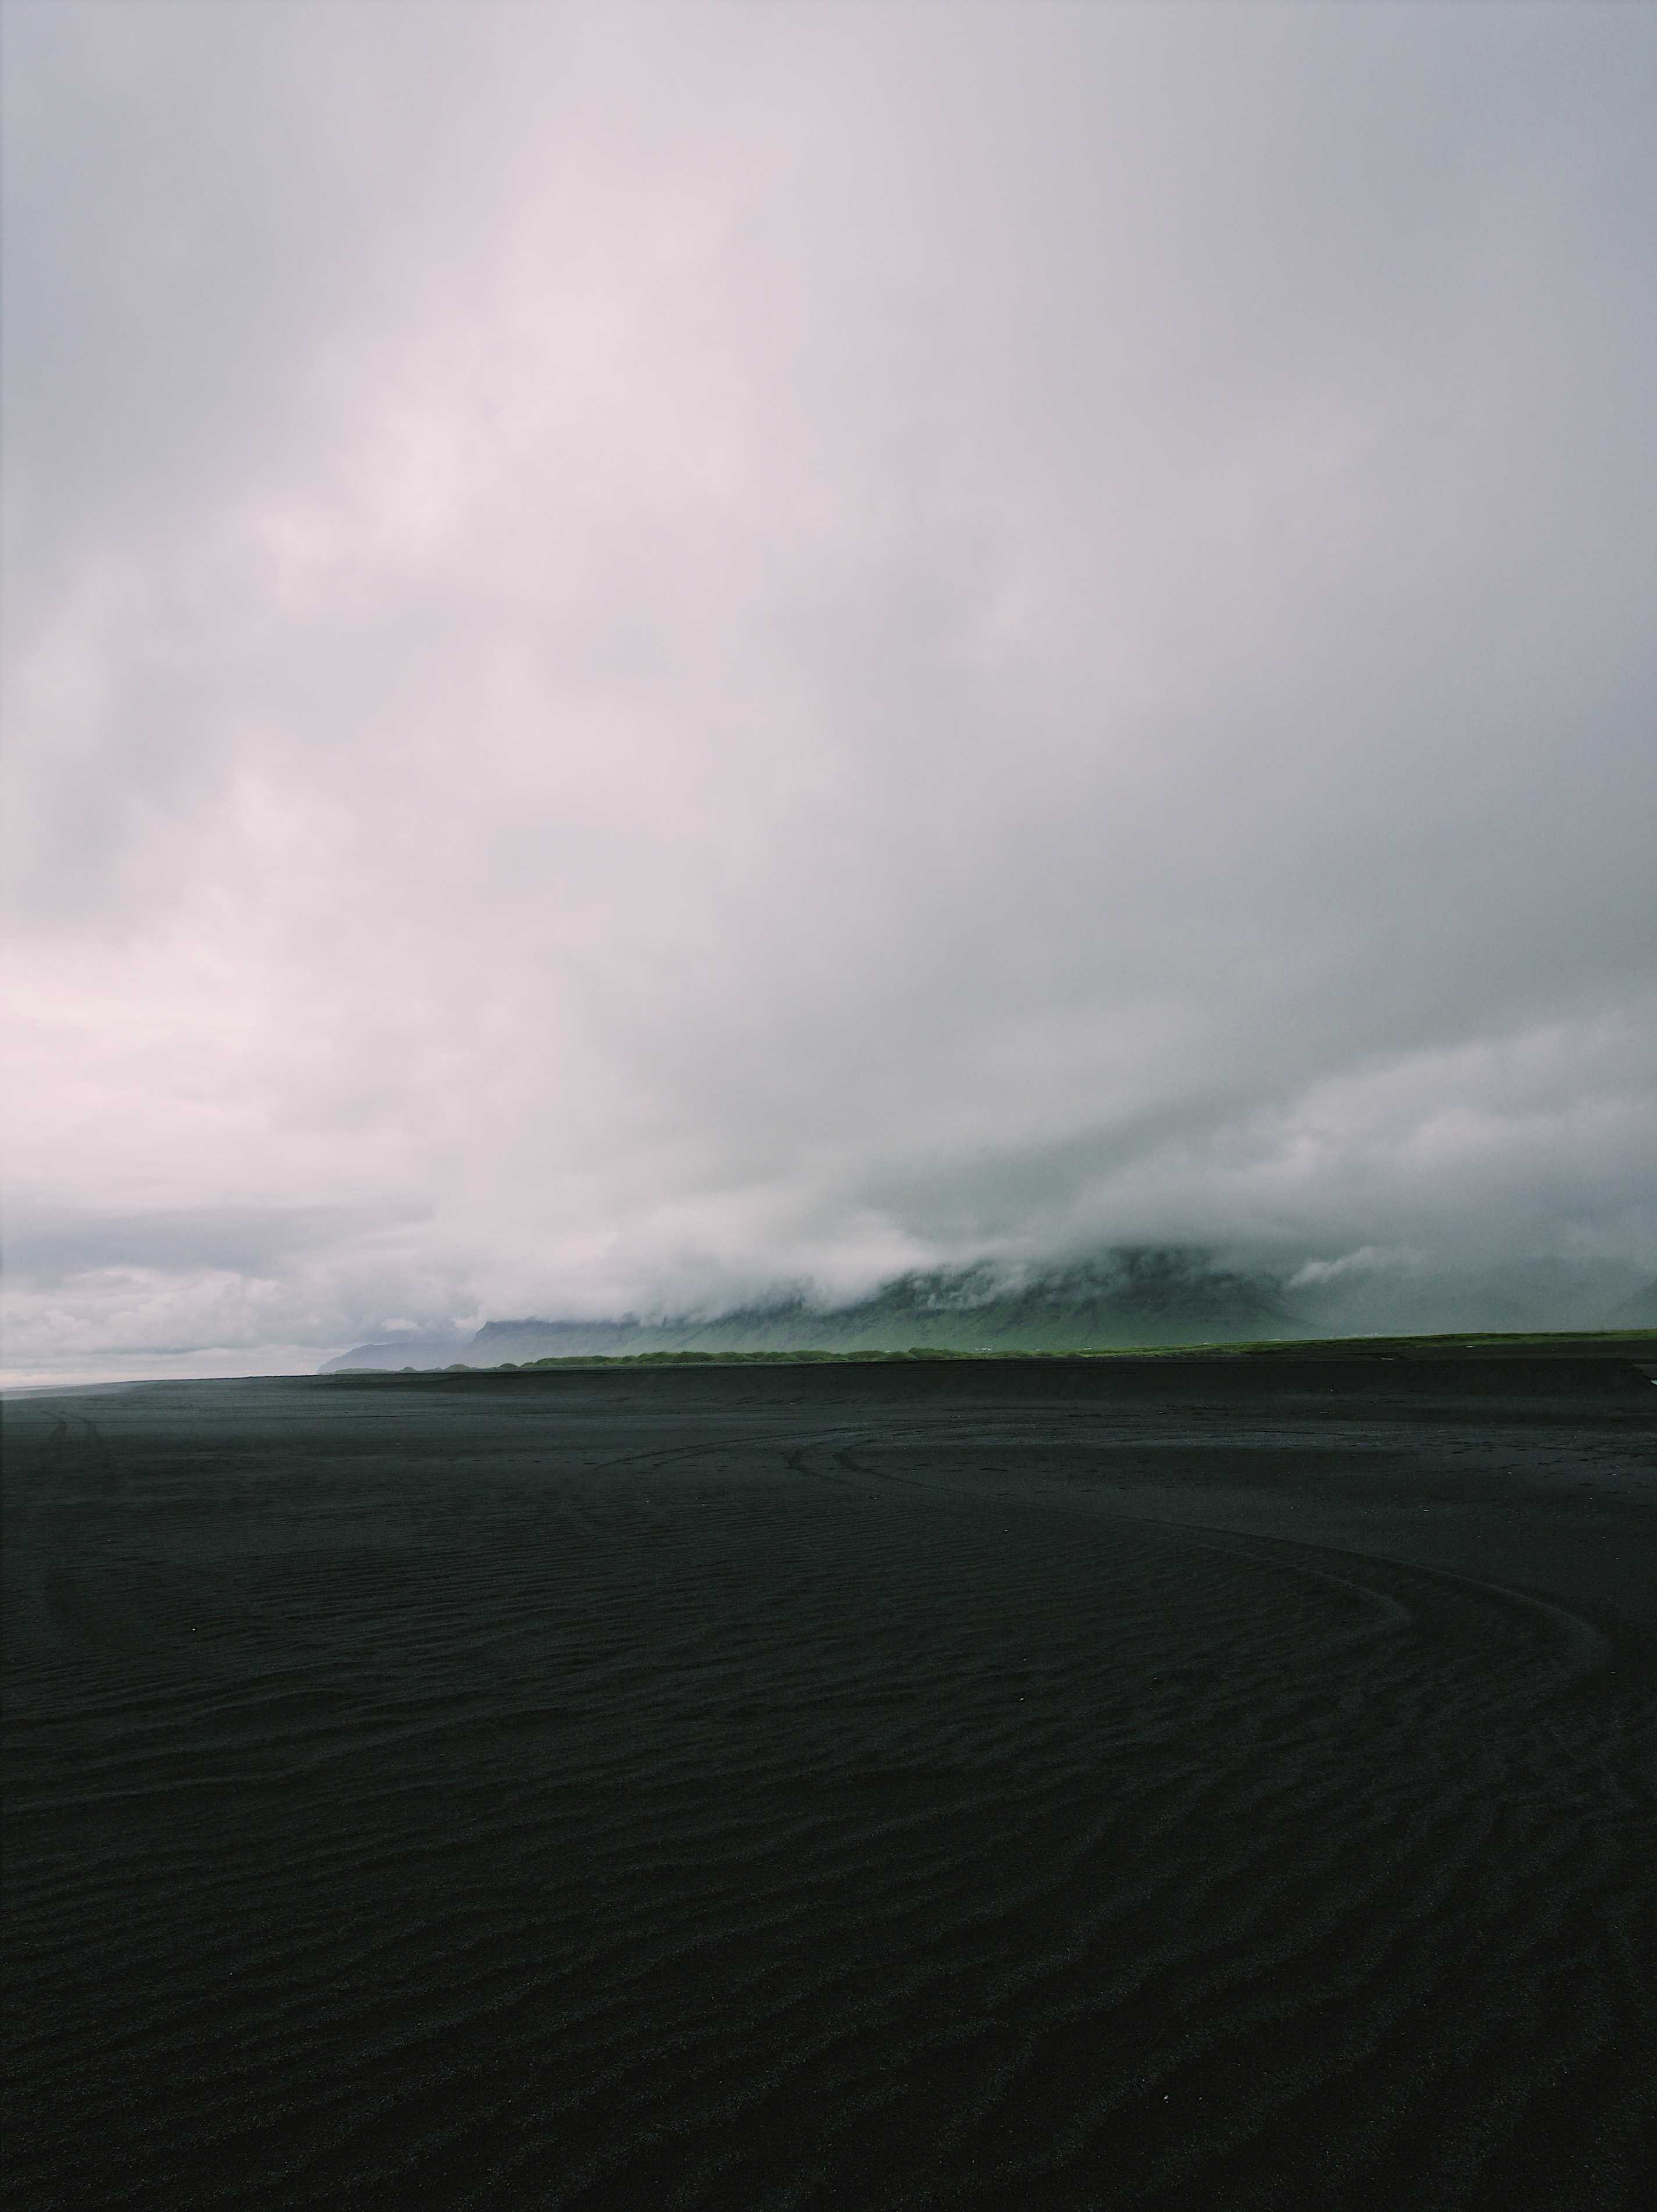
(1220, 1781)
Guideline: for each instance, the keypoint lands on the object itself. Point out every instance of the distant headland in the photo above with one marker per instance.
(1148, 1298)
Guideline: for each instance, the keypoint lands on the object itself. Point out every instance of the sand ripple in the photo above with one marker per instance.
(458, 1811)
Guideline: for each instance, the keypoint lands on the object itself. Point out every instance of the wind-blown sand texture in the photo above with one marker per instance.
(1183, 1785)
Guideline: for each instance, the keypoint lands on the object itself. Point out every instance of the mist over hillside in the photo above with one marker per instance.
(1150, 1296)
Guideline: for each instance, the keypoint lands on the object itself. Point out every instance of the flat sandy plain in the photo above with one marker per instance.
(1208, 1784)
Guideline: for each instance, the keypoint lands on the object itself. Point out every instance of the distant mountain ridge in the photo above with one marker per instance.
(1148, 1295)
(1161, 1295)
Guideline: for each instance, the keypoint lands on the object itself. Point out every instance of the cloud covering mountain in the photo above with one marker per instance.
(653, 652)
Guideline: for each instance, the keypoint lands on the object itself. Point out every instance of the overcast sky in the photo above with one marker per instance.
(654, 650)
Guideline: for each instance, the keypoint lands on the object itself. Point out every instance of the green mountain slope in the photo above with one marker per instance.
(1149, 1298)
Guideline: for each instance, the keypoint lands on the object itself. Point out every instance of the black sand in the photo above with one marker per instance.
(1215, 1784)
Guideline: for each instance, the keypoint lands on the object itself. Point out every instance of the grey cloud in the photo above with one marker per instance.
(676, 648)
(51, 1248)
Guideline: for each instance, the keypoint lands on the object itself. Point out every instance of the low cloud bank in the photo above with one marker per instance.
(1149, 1298)
(1495, 1185)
